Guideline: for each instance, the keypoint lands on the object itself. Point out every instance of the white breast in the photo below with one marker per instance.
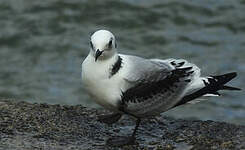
(95, 78)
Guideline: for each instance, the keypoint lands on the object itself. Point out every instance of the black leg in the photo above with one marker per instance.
(121, 141)
(136, 127)
(109, 118)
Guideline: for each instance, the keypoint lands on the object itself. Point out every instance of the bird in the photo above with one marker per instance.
(140, 87)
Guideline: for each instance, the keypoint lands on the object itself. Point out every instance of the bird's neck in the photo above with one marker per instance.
(106, 67)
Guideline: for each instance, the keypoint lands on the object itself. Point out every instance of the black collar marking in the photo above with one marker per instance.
(116, 67)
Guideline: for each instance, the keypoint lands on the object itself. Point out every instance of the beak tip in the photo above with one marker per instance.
(97, 54)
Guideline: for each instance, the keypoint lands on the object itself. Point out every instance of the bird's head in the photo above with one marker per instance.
(102, 45)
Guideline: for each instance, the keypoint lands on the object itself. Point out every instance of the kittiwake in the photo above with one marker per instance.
(139, 87)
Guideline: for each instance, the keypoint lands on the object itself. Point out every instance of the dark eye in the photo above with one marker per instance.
(110, 44)
(91, 45)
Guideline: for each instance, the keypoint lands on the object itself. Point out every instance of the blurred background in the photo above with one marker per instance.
(43, 43)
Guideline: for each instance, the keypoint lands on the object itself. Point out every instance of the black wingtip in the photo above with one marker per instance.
(223, 79)
(225, 87)
(230, 75)
(214, 84)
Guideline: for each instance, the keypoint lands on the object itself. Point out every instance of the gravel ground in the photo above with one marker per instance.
(41, 126)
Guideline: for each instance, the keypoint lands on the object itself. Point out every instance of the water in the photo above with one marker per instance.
(43, 43)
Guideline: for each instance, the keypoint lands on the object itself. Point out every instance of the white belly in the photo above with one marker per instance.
(104, 90)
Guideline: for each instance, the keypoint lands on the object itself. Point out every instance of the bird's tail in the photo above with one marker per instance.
(212, 85)
(216, 83)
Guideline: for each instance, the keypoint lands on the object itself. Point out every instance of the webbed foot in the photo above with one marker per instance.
(109, 118)
(118, 141)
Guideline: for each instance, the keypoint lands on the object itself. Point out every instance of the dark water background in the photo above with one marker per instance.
(43, 42)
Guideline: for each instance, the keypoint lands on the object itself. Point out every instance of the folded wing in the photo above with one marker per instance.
(156, 86)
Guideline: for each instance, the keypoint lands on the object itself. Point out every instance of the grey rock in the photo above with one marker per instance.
(41, 126)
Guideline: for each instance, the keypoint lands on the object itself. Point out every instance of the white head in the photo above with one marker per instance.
(103, 45)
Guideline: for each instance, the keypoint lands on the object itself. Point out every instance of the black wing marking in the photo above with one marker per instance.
(144, 90)
(215, 84)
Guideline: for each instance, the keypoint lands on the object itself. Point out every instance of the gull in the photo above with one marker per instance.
(139, 87)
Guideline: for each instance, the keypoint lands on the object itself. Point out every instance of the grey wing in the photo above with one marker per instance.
(156, 86)
(143, 70)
